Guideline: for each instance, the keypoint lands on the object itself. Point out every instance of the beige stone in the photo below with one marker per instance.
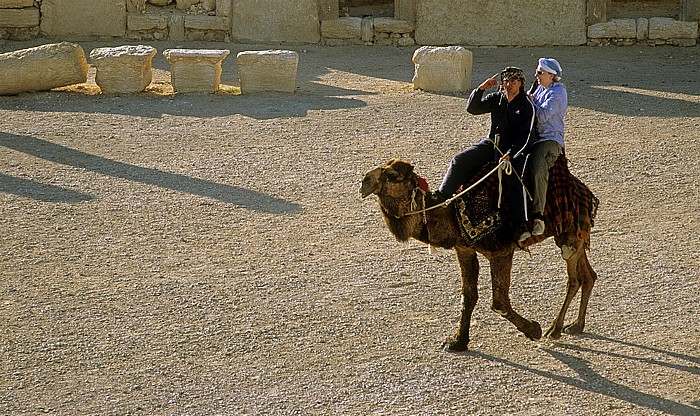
(195, 70)
(667, 28)
(389, 25)
(80, 18)
(16, 4)
(223, 8)
(42, 68)
(123, 69)
(642, 28)
(185, 4)
(177, 27)
(209, 5)
(140, 21)
(342, 28)
(367, 29)
(160, 2)
(519, 22)
(135, 6)
(207, 22)
(270, 70)
(28, 17)
(442, 69)
(264, 21)
(614, 29)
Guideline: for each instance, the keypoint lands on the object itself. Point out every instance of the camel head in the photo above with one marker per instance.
(395, 179)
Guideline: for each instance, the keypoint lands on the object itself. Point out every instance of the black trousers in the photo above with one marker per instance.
(468, 162)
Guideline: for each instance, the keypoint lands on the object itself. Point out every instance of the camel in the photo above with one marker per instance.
(403, 199)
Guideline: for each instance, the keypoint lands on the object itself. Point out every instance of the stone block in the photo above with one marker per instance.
(270, 70)
(185, 4)
(28, 17)
(642, 28)
(667, 28)
(328, 10)
(442, 69)
(123, 69)
(615, 28)
(342, 28)
(177, 27)
(208, 23)
(405, 10)
(80, 18)
(135, 6)
(16, 4)
(367, 29)
(223, 8)
(195, 70)
(139, 21)
(267, 21)
(389, 25)
(42, 68)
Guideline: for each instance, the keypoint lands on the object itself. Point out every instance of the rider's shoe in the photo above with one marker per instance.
(537, 227)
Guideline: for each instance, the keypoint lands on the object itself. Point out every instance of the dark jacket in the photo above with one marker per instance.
(514, 122)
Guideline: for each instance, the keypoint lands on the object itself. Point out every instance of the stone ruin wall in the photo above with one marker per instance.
(414, 22)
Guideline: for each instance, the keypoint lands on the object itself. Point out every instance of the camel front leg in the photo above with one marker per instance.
(501, 266)
(469, 265)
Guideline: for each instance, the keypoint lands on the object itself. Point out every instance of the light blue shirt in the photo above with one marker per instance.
(551, 105)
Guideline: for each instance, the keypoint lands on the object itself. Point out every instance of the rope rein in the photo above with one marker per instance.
(447, 202)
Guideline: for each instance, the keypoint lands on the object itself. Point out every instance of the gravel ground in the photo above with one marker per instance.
(208, 254)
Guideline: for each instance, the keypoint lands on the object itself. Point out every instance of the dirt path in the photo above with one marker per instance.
(209, 254)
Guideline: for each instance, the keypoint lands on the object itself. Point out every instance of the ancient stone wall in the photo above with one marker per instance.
(414, 22)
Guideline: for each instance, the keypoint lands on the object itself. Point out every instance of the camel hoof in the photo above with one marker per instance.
(534, 331)
(573, 329)
(455, 344)
(553, 333)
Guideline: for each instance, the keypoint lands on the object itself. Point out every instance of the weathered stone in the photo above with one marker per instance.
(16, 4)
(42, 68)
(208, 5)
(140, 21)
(367, 30)
(615, 28)
(263, 21)
(94, 18)
(160, 2)
(389, 25)
(123, 69)
(207, 22)
(223, 8)
(185, 4)
(642, 28)
(135, 6)
(517, 22)
(342, 28)
(328, 10)
(442, 69)
(405, 10)
(271, 70)
(28, 17)
(177, 27)
(195, 70)
(667, 28)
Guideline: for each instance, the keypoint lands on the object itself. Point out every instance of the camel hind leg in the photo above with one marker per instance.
(588, 277)
(580, 275)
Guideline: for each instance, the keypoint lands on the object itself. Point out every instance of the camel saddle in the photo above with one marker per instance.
(570, 203)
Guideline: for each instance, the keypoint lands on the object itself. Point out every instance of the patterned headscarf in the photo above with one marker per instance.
(512, 72)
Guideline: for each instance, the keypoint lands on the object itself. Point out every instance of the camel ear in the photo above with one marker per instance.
(403, 168)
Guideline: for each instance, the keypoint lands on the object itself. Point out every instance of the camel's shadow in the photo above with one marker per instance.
(63, 155)
(591, 381)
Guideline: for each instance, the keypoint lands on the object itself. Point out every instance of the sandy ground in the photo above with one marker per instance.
(208, 254)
